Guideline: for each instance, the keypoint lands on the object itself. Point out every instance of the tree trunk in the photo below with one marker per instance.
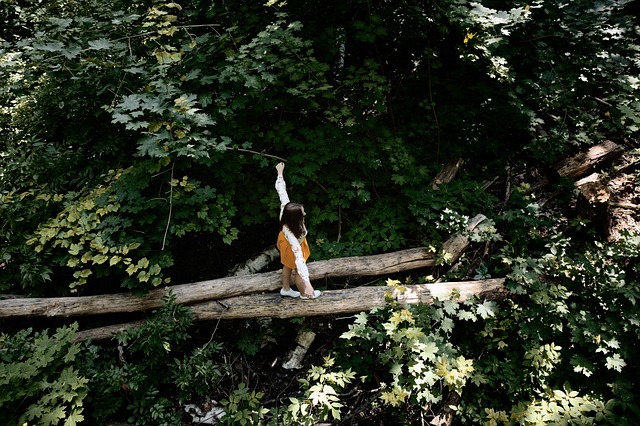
(346, 301)
(256, 263)
(594, 158)
(106, 331)
(382, 264)
(448, 411)
(376, 265)
(593, 204)
(625, 205)
(304, 339)
(334, 302)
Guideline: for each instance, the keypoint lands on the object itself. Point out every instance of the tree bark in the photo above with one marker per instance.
(304, 339)
(625, 205)
(256, 263)
(376, 265)
(334, 302)
(105, 332)
(448, 411)
(382, 264)
(447, 173)
(596, 156)
(593, 204)
(347, 301)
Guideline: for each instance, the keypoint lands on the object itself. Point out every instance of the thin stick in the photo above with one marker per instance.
(626, 205)
(166, 230)
(430, 89)
(257, 153)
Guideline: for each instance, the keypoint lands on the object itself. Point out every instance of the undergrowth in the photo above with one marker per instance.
(559, 349)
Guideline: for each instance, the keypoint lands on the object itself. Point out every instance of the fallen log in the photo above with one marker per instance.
(593, 204)
(256, 263)
(625, 205)
(382, 264)
(304, 339)
(376, 265)
(253, 265)
(601, 198)
(333, 302)
(105, 332)
(596, 156)
(457, 245)
(347, 301)
(447, 173)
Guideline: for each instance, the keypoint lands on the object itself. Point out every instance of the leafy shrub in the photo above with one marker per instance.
(567, 339)
(40, 381)
(432, 208)
(109, 229)
(150, 376)
(412, 351)
(243, 407)
(320, 400)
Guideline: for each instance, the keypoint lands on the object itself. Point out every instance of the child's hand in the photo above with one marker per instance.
(280, 168)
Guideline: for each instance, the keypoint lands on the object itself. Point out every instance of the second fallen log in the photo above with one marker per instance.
(334, 302)
(346, 301)
(382, 264)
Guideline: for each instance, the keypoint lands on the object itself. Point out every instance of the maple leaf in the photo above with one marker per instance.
(615, 362)
(487, 309)
(100, 44)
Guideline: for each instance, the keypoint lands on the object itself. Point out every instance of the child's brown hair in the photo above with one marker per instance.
(293, 217)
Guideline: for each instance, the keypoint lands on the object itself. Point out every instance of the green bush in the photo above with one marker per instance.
(568, 338)
(150, 376)
(40, 380)
(413, 350)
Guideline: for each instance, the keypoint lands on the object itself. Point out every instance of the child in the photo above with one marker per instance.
(292, 243)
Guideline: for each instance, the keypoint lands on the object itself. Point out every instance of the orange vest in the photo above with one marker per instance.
(287, 258)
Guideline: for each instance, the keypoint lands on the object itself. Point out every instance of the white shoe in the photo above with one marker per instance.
(316, 294)
(289, 293)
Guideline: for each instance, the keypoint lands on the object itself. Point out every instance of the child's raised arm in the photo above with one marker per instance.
(281, 187)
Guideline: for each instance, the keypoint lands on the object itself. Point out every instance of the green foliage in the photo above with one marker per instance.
(115, 227)
(545, 51)
(150, 375)
(127, 127)
(567, 343)
(365, 107)
(275, 60)
(433, 209)
(569, 367)
(413, 347)
(243, 407)
(104, 230)
(320, 400)
(40, 381)
(197, 373)
(380, 229)
(118, 213)
(554, 407)
(248, 344)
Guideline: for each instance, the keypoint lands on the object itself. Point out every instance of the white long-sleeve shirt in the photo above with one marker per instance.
(301, 265)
